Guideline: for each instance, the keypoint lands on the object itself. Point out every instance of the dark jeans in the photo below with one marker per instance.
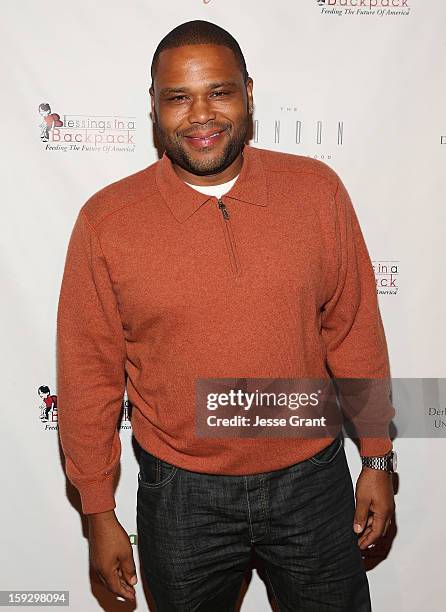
(196, 534)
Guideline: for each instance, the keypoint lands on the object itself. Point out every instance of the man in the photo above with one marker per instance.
(220, 260)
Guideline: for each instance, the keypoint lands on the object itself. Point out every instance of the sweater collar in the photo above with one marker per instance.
(183, 201)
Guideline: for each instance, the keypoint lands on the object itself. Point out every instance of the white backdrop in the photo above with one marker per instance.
(363, 88)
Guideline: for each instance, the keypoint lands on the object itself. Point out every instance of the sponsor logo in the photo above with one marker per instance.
(291, 127)
(48, 409)
(86, 133)
(374, 8)
(386, 276)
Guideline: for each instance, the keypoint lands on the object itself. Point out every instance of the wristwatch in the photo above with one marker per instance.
(385, 462)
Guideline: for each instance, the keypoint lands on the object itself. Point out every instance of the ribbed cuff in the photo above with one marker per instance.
(374, 447)
(97, 496)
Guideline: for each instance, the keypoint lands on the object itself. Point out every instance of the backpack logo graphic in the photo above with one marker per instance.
(49, 121)
(49, 404)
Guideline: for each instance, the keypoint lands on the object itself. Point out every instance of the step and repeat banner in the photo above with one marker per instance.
(358, 84)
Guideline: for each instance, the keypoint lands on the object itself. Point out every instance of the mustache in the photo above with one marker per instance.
(205, 130)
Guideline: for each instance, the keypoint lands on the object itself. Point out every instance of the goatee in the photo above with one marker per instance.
(207, 165)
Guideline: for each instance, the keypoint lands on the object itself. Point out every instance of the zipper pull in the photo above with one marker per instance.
(223, 209)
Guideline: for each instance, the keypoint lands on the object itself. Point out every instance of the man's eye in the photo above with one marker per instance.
(176, 97)
(221, 92)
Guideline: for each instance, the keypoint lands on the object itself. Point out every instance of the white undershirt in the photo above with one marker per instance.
(214, 190)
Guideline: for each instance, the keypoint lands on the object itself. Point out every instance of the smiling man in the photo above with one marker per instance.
(220, 260)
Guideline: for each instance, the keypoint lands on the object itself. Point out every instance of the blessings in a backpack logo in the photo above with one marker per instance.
(86, 133)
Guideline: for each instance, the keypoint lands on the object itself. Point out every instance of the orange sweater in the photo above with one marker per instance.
(160, 289)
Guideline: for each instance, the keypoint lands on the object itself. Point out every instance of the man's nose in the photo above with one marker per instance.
(201, 111)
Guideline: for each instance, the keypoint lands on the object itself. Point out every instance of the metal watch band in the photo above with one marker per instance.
(385, 462)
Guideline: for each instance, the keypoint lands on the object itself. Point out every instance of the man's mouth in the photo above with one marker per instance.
(199, 141)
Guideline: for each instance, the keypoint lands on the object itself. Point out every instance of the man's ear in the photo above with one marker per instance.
(152, 104)
(249, 84)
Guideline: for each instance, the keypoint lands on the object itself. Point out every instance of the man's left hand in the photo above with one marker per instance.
(374, 495)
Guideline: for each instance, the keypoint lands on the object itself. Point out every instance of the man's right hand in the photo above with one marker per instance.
(111, 554)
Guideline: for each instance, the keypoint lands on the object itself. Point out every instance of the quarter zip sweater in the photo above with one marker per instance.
(164, 285)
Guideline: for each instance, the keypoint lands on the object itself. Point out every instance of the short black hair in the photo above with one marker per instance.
(199, 32)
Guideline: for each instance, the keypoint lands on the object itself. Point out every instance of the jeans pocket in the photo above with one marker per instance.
(154, 473)
(329, 453)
